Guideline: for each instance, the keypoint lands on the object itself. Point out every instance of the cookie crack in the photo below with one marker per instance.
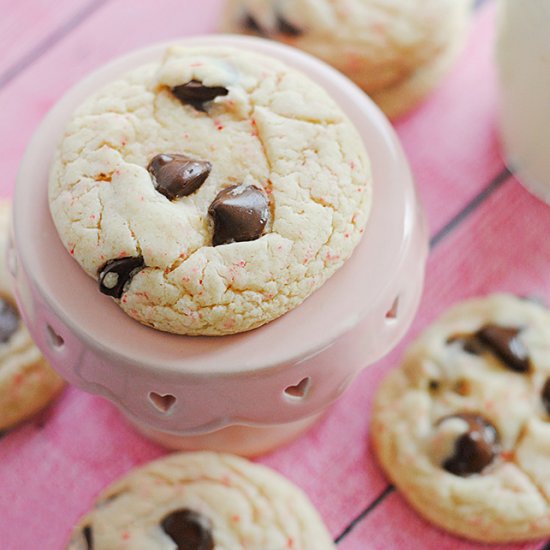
(535, 484)
(155, 109)
(308, 120)
(99, 218)
(312, 198)
(261, 141)
(136, 240)
(513, 460)
(266, 498)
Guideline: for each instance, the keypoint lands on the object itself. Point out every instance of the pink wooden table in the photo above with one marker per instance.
(487, 235)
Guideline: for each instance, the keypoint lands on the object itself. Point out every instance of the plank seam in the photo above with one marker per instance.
(494, 185)
(49, 42)
(371, 507)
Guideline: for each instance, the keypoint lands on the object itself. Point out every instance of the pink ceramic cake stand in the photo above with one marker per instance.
(246, 393)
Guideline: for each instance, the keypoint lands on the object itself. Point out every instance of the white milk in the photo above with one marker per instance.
(523, 56)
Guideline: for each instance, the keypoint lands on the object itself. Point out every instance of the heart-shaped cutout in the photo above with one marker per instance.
(164, 403)
(391, 314)
(300, 390)
(54, 339)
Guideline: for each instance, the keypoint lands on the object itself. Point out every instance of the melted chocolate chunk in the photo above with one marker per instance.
(506, 345)
(469, 342)
(473, 346)
(287, 28)
(196, 94)
(177, 176)
(116, 274)
(546, 396)
(475, 449)
(9, 320)
(503, 342)
(250, 24)
(189, 530)
(240, 213)
(87, 533)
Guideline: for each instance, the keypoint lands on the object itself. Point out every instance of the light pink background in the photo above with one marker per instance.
(52, 467)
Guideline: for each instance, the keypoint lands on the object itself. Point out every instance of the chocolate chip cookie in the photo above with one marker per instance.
(397, 51)
(463, 426)
(202, 501)
(27, 382)
(211, 192)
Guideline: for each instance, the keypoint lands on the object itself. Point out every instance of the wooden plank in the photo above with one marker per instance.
(25, 24)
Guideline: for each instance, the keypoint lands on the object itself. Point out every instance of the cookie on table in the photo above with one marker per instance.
(27, 382)
(211, 192)
(397, 51)
(463, 426)
(202, 501)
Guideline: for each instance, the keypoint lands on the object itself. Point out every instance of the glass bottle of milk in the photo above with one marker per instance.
(523, 57)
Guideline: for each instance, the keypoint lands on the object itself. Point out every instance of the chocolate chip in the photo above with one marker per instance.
(240, 213)
(503, 342)
(469, 342)
(250, 24)
(189, 530)
(87, 533)
(474, 450)
(177, 176)
(506, 345)
(287, 28)
(546, 396)
(196, 94)
(9, 320)
(116, 274)
(473, 346)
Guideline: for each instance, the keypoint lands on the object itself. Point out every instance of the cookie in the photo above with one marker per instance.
(27, 382)
(397, 51)
(463, 426)
(202, 501)
(212, 192)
